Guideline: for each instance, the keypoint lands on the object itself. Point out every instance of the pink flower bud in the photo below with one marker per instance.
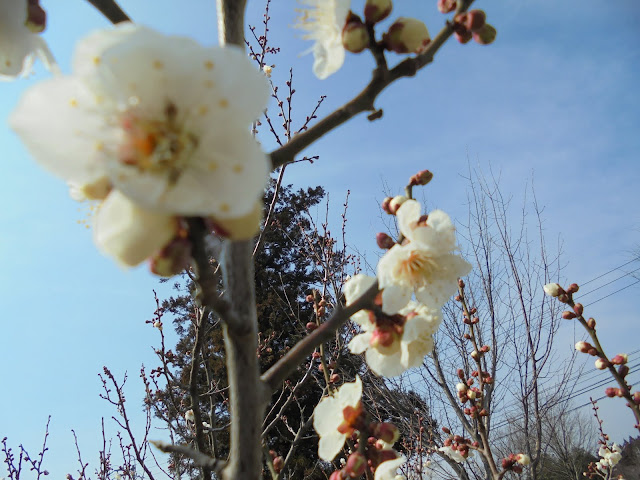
(475, 20)
(354, 36)
(623, 370)
(583, 347)
(602, 363)
(463, 35)
(407, 35)
(591, 323)
(573, 288)
(384, 241)
(460, 374)
(377, 10)
(611, 392)
(447, 6)
(475, 355)
(486, 35)
(620, 359)
(278, 463)
(636, 398)
(311, 326)
(356, 465)
(421, 178)
(568, 315)
(578, 309)
(334, 378)
(386, 207)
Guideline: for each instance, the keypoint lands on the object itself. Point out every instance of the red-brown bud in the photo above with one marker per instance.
(446, 430)
(309, 298)
(623, 370)
(591, 323)
(377, 10)
(386, 205)
(356, 465)
(620, 359)
(421, 178)
(278, 463)
(461, 283)
(636, 398)
(311, 326)
(611, 392)
(334, 378)
(568, 315)
(573, 288)
(384, 241)
(460, 373)
(578, 308)
(354, 36)
(315, 355)
(475, 20)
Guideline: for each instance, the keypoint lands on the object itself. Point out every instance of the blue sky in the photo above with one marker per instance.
(554, 99)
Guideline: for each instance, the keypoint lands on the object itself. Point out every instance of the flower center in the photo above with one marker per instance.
(417, 269)
(157, 146)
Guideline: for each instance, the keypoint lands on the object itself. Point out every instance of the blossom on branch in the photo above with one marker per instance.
(454, 454)
(160, 118)
(337, 417)
(425, 265)
(324, 21)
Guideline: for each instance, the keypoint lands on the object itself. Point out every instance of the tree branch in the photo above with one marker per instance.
(364, 101)
(111, 10)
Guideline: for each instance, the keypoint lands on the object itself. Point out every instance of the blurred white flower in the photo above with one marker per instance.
(20, 42)
(388, 470)
(128, 233)
(162, 118)
(189, 416)
(324, 20)
(426, 265)
(334, 418)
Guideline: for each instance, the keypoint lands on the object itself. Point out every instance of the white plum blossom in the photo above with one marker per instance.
(388, 470)
(128, 233)
(19, 44)
(393, 344)
(324, 21)
(426, 265)
(334, 418)
(160, 118)
(610, 456)
(189, 416)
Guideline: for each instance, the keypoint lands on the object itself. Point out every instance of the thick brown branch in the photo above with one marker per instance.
(278, 373)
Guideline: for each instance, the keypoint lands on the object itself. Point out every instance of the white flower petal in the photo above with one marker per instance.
(407, 215)
(394, 298)
(129, 233)
(356, 286)
(387, 470)
(384, 365)
(359, 343)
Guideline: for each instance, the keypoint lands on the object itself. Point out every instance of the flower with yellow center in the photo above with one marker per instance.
(335, 418)
(160, 118)
(393, 343)
(425, 265)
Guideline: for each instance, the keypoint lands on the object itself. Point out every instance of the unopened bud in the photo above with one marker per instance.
(446, 430)
(396, 202)
(461, 387)
(407, 35)
(356, 465)
(636, 398)
(334, 378)
(463, 35)
(461, 283)
(602, 363)
(485, 35)
(460, 373)
(623, 370)
(158, 325)
(583, 347)
(309, 298)
(315, 355)
(475, 20)
(472, 394)
(553, 289)
(485, 348)
(377, 10)
(421, 178)
(573, 288)
(278, 463)
(386, 205)
(36, 17)
(523, 459)
(591, 323)
(578, 309)
(354, 36)
(384, 241)
(611, 392)
(568, 315)
(387, 432)
(447, 6)
(620, 359)
(311, 326)
(475, 355)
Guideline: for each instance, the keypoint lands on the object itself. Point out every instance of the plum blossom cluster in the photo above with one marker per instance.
(21, 22)
(335, 29)
(155, 129)
(397, 332)
(341, 417)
